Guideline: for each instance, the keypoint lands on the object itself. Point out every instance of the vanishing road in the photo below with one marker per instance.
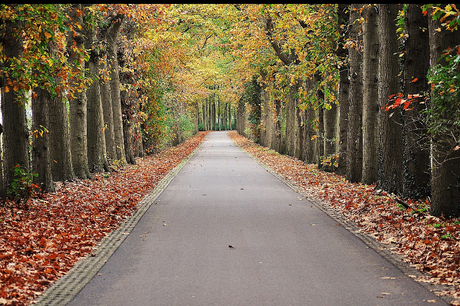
(227, 232)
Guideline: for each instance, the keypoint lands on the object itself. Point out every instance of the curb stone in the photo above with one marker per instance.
(67, 287)
(385, 251)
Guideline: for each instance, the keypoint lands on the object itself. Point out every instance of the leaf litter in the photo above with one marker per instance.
(428, 243)
(41, 244)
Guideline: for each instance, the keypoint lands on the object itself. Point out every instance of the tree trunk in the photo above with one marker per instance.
(416, 65)
(60, 154)
(344, 85)
(112, 35)
(78, 112)
(40, 140)
(97, 161)
(390, 174)
(310, 135)
(330, 133)
(106, 98)
(354, 133)
(370, 96)
(445, 182)
(15, 131)
(291, 121)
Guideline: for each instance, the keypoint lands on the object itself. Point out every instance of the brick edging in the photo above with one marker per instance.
(68, 286)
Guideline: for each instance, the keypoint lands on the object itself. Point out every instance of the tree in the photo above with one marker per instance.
(106, 96)
(112, 34)
(370, 94)
(15, 131)
(60, 154)
(390, 173)
(443, 117)
(354, 133)
(96, 150)
(415, 68)
(40, 139)
(78, 104)
(344, 84)
(128, 95)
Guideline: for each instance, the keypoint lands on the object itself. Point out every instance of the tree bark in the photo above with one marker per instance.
(311, 150)
(78, 113)
(416, 64)
(344, 84)
(390, 174)
(60, 154)
(40, 139)
(106, 98)
(354, 133)
(112, 35)
(291, 121)
(370, 96)
(445, 182)
(15, 131)
(97, 161)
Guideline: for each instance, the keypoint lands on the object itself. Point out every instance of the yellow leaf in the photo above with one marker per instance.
(48, 35)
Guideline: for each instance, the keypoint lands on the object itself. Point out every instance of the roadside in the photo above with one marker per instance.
(425, 247)
(40, 245)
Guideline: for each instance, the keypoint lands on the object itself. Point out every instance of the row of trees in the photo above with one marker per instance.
(368, 91)
(86, 87)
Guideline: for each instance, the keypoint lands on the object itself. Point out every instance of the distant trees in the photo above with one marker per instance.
(62, 89)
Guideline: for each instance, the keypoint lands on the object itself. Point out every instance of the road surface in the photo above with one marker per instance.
(227, 232)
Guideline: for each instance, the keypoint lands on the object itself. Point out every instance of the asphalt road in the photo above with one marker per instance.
(227, 232)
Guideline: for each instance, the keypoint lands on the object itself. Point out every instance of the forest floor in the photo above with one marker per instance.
(42, 243)
(430, 244)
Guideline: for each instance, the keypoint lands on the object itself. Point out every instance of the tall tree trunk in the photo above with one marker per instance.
(354, 133)
(370, 96)
(40, 140)
(416, 64)
(390, 174)
(311, 149)
(291, 121)
(445, 182)
(112, 35)
(60, 154)
(15, 131)
(106, 98)
(330, 133)
(127, 96)
(78, 111)
(344, 84)
(97, 161)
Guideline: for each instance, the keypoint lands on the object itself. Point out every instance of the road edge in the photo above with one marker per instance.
(383, 250)
(67, 287)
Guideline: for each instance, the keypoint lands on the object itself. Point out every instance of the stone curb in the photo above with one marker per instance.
(68, 286)
(385, 251)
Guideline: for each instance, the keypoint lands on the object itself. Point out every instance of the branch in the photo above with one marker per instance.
(281, 55)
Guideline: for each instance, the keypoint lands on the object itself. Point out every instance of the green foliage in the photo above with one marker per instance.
(443, 114)
(22, 187)
(43, 62)
(251, 96)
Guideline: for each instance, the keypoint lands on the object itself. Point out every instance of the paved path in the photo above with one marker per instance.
(227, 232)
